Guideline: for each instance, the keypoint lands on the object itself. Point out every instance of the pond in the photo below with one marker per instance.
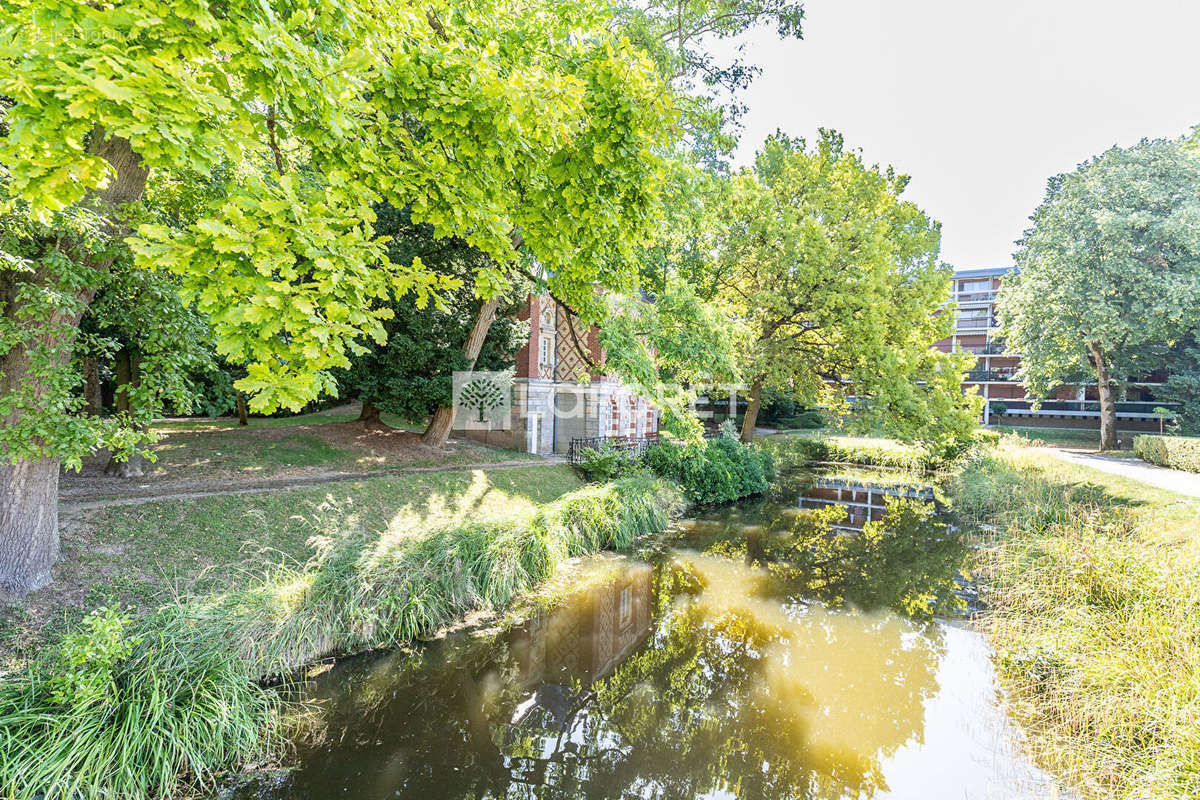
(811, 644)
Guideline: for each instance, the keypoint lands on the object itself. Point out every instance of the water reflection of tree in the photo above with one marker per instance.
(906, 561)
(719, 699)
(735, 688)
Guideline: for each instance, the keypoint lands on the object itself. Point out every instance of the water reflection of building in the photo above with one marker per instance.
(589, 635)
(863, 503)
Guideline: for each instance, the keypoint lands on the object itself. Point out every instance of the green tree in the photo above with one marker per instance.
(410, 374)
(493, 121)
(1109, 269)
(679, 36)
(835, 283)
(663, 343)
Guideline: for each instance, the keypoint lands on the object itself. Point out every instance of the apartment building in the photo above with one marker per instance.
(994, 373)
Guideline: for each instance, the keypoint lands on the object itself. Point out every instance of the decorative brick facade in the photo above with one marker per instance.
(554, 397)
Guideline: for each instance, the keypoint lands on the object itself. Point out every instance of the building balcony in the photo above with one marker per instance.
(989, 349)
(1081, 408)
(991, 375)
(975, 325)
(975, 297)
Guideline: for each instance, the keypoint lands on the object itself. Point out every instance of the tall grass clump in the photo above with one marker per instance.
(1095, 619)
(123, 710)
(364, 589)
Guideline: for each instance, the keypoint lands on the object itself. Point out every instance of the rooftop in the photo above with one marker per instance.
(982, 273)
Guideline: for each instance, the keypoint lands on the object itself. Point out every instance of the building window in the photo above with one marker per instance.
(984, 285)
(626, 605)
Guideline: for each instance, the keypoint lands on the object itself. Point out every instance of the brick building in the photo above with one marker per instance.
(553, 399)
(994, 373)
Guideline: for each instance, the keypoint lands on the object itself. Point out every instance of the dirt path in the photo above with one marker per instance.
(90, 499)
(1172, 480)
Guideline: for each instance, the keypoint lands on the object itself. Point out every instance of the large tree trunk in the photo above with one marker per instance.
(28, 524)
(369, 416)
(29, 488)
(1108, 405)
(438, 431)
(751, 418)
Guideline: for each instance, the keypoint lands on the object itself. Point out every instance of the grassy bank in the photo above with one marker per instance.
(1095, 617)
(127, 703)
(144, 556)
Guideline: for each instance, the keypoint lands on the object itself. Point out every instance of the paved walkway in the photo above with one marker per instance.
(1174, 480)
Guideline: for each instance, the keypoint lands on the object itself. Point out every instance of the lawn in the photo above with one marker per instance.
(1072, 438)
(195, 453)
(146, 555)
(1095, 618)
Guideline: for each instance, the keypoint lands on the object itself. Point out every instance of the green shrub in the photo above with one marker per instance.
(985, 436)
(715, 471)
(600, 464)
(1176, 452)
(999, 409)
(117, 710)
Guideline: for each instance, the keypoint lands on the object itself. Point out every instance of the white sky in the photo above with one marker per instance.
(980, 102)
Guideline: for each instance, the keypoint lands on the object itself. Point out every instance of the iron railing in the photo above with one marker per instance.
(991, 375)
(632, 447)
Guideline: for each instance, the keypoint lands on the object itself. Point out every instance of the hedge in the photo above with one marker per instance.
(1177, 452)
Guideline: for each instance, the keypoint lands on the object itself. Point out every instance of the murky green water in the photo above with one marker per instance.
(800, 646)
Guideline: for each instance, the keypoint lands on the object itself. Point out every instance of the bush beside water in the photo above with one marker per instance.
(125, 709)
(1176, 452)
(713, 471)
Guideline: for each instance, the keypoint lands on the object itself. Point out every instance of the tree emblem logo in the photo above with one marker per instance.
(482, 400)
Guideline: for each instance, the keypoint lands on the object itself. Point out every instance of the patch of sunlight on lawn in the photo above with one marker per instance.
(481, 498)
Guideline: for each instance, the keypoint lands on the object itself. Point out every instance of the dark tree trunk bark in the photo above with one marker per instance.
(369, 416)
(1108, 405)
(751, 418)
(92, 395)
(128, 375)
(29, 488)
(438, 431)
(242, 412)
(123, 367)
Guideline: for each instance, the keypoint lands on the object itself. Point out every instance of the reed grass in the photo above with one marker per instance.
(1094, 592)
(125, 709)
(797, 451)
